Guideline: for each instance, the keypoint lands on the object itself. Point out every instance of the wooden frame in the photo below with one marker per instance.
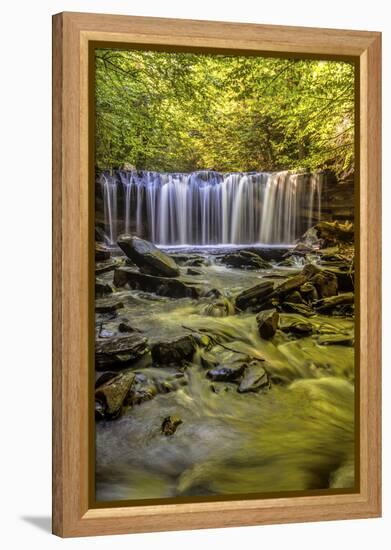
(72, 33)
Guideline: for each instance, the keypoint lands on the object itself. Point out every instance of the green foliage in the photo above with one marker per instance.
(183, 112)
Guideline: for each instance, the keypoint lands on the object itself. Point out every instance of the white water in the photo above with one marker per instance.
(208, 208)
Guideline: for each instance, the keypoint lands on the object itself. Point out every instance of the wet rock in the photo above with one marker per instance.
(163, 286)
(328, 234)
(294, 297)
(125, 327)
(102, 288)
(309, 292)
(192, 271)
(148, 257)
(103, 378)
(291, 284)
(105, 267)
(336, 340)
(255, 296)
(328, 304)
(118, 351)
(299, 328)
(105, 333)
(226, 373)
(101, 253)
(267, 322)
(245, 259)
(345, 277)
(210, 293)
(195, 261)
(173, 351)
(326, 283)
(170, 425)
(291, 307)
(220, 308)
(111, 396)
(254, 378)
(108, 305)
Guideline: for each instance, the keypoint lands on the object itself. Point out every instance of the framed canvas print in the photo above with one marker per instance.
(216, 230)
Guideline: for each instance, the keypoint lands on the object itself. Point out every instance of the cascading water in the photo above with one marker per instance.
(209, 208)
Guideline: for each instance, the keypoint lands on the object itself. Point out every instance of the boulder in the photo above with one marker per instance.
(255, 296)
(333, 233)
(291, 307)
(125, 327)
(119, 351)
(173, 351)
(227, 373)
(108, 305)
(193, 271)
(111, 396)
(245, 259)
(254, 378)
(163, 286)
(148, 257)
(292, 326)
(294, 297)
(328, 304)
(309, 292)
(326, 283)
(267, 322)
(101, 253)
(102, 288)
(291, 284)
(219, 308)
(105, 267)
(170, 425)
(336, 340)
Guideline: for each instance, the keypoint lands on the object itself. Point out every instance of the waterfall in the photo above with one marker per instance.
(109, 192)
(209, 208)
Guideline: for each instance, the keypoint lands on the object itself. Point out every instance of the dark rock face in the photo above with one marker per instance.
(174, 351)
(255, 296)
(101, 253)
(163, 286)
(111, 396)
(254, 378)
(108, 305)
(335, 232)
(170, 425)
(245, 259)
(226, 373)
(119, 351)
(326, 283)
(267, 322)
(148, 257)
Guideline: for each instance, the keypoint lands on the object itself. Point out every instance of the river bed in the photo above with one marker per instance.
(295, 434)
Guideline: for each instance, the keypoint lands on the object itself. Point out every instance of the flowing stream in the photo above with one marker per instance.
(299, 435)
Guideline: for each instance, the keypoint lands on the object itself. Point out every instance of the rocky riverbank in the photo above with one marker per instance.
(225, 371)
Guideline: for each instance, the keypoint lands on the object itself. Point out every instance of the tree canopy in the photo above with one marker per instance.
(175, 112)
